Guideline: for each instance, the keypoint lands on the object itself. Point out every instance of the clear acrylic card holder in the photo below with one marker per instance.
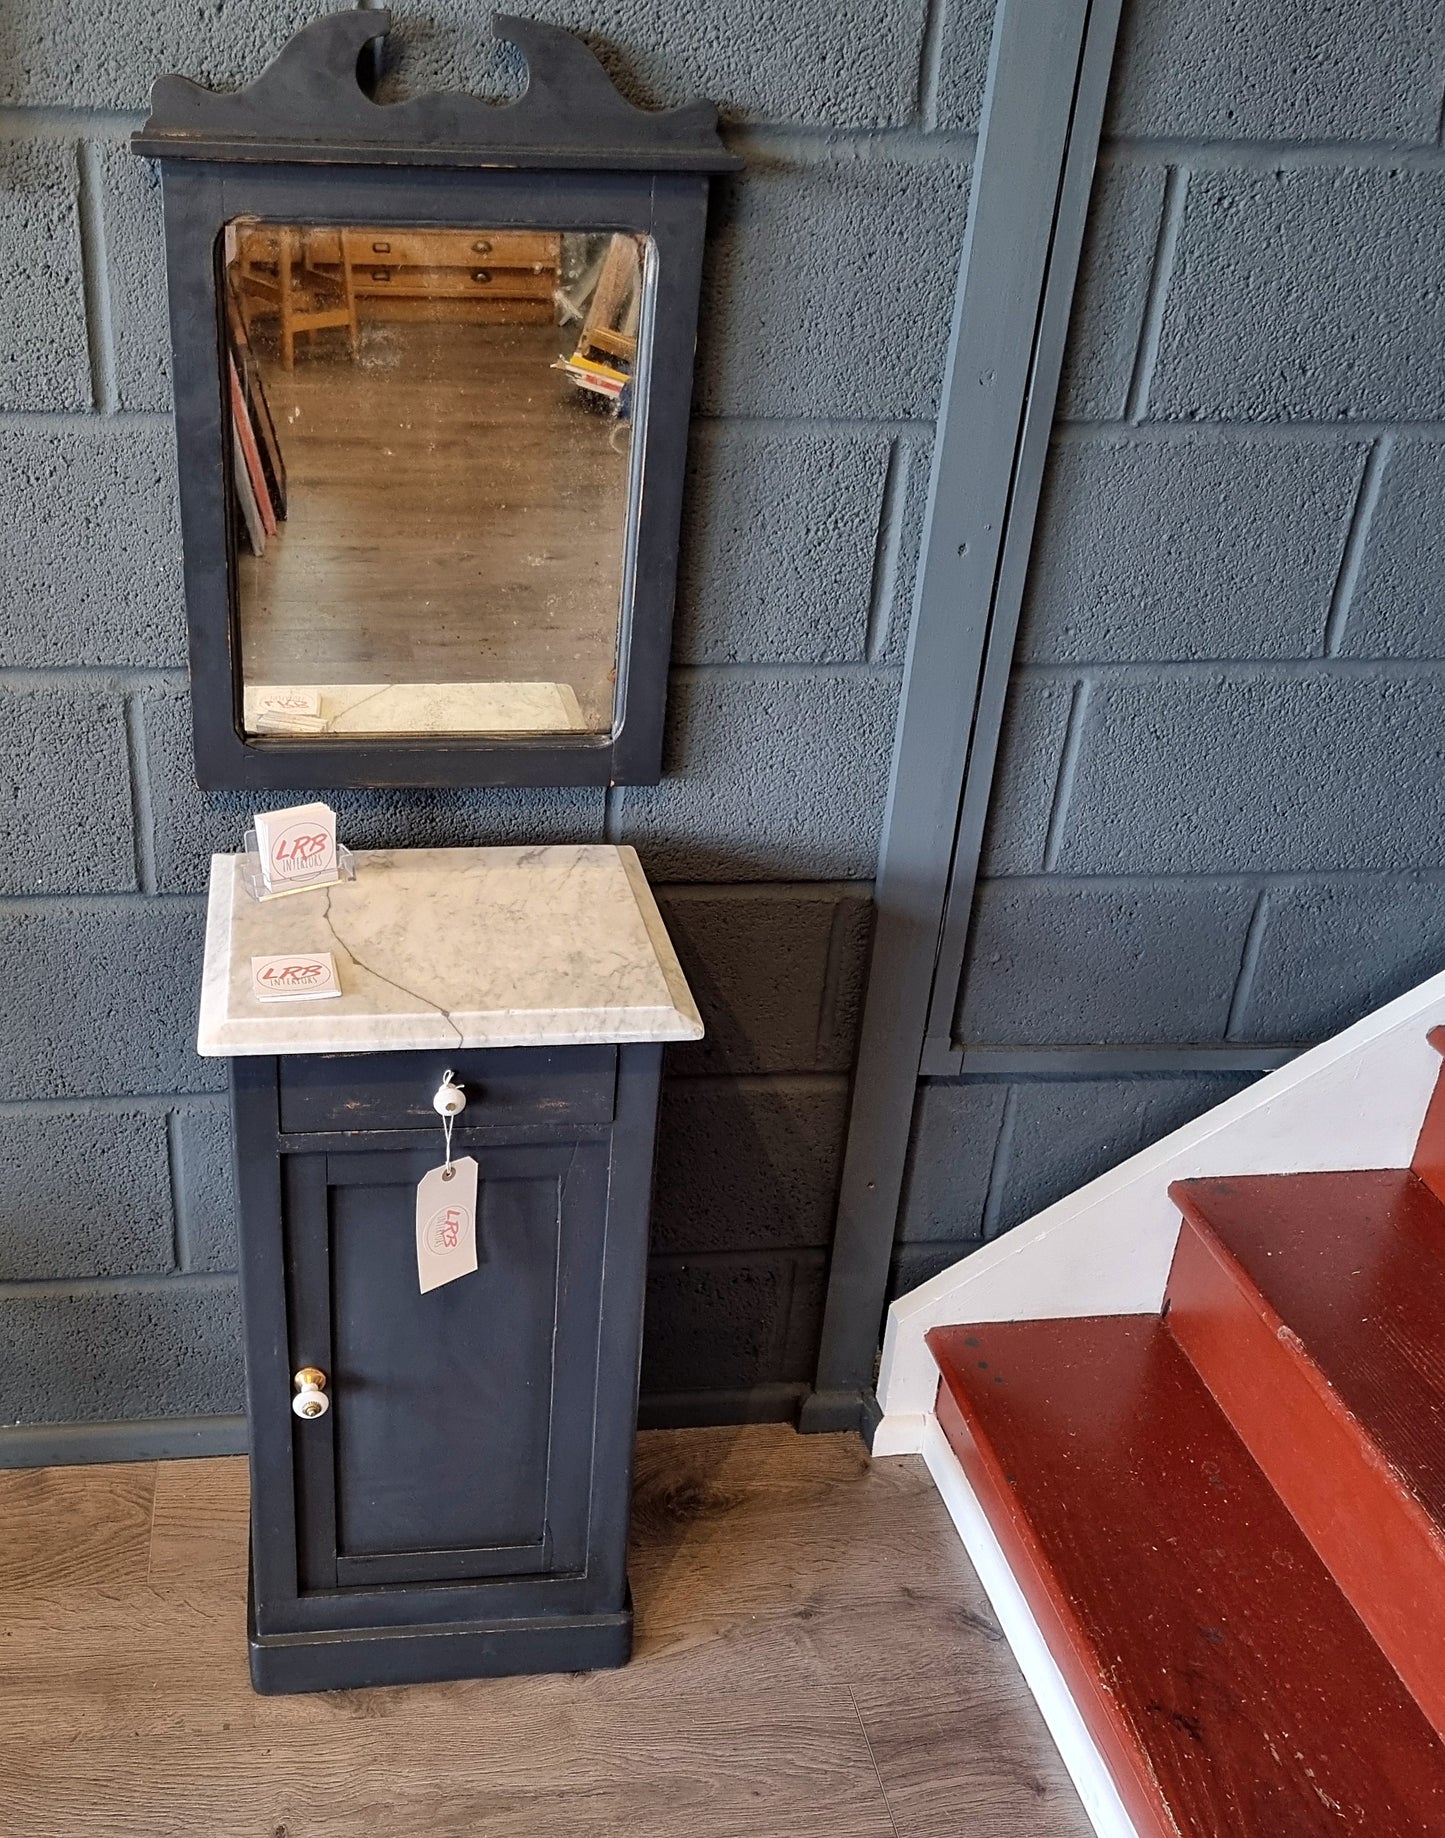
(345, 870)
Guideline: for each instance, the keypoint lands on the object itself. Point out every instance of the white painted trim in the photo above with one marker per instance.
(1355, 1101)
(900, 1434)
(1087, 1770)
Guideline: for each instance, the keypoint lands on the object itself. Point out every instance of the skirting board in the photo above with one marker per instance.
(65, 1445)
(902, 1432)
(1092, 1780)
(691, 1410)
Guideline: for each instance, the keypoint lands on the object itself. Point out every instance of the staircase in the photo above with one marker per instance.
(1225, 1521)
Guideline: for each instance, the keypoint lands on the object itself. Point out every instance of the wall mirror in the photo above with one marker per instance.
(433, 365)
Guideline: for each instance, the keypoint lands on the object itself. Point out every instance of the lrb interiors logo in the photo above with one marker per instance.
(445, 1227)
(302, 849)
(295, 973)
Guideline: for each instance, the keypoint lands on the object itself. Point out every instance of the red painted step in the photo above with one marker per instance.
(1230, 1687)
(1313, 1307)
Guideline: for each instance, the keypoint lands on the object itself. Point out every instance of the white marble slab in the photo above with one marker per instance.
(451, 948)
(433, 708)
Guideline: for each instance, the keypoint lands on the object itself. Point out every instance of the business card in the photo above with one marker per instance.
(294, 976)
(283, 721)
(286, 699)
(296, 845)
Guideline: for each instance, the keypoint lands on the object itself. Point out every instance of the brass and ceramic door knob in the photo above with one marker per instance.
(310, 1387)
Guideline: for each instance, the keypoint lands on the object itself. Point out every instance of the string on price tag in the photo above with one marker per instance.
(446, 1203)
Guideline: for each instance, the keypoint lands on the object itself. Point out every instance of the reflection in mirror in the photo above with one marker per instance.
(432, 466)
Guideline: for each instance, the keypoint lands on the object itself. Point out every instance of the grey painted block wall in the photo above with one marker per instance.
(1237, 530)
(803, 509)
(1219, 815)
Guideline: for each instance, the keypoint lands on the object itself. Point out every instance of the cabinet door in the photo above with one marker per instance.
(458, 1444)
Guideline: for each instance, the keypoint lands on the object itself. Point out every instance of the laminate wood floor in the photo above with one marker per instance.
(814, 1656)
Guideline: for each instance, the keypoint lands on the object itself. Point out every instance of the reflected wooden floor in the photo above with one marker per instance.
(814, 1656)
(457, 514)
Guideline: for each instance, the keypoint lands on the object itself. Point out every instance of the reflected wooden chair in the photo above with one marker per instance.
(278, 276)
(610, 328)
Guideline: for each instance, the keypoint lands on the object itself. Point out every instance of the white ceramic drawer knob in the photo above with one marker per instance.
(450, 1098)
(310, 1399)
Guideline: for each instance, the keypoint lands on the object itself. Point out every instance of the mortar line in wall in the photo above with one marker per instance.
(1161, 273)
(130, 900)
(1212, 669)
(95, 280)
(46, 122)
(1064, 1065)
(108, 1105)
(1287, 433)
(1272, 155)
(71, 421)
(782, 1333)
(15, 1289)
(1352, 552)
(89, 676)
(828, 146)
(887, 548)
(1002, 1147)
(1064, 778)
(175, 1172)
(930, 62)
(797, 1255)
(777, 668)
(808, 1079)
(825, 1026)
(614, 798)
(1248, 965)
(783, 888)
(1103, 879)
(881, 426)
(142, 815)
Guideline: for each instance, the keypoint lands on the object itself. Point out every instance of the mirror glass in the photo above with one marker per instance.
(433, 471)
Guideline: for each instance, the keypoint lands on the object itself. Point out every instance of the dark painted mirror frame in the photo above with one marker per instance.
(306, 143)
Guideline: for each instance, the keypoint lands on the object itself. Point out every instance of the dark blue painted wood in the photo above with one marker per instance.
(414, 1400)
(435, 161)
(1043, 107)
(314, 103)
(505, 1086)
(467, 1494)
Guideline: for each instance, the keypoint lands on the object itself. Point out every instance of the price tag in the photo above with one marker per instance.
(446, 1223)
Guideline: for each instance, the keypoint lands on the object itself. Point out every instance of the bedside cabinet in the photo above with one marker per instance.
(441, 1481)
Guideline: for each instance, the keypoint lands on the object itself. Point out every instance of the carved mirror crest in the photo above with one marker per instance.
(433, 365)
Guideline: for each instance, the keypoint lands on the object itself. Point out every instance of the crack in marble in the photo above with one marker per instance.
(400, 988)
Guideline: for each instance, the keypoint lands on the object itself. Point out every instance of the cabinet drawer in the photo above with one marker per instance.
(505, 1087)
(454, 248)
(374, 277)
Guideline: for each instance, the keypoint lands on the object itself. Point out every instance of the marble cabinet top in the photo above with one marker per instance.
(451, 948)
